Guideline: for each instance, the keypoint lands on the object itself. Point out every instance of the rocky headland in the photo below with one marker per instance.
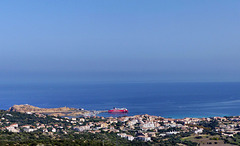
(61, 111)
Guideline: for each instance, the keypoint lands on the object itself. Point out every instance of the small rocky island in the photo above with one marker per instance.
(62, 111)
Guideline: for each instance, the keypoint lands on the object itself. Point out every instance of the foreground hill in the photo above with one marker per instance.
(23, 129)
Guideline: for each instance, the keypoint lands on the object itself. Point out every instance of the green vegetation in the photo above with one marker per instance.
(211, 124)
(35, 138)
(80, 139)
(235, 140)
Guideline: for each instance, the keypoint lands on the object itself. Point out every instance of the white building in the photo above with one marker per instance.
(172, 132)
(29, 129)
(13, 128)
(144, 138)
(82, 128)
(124, 135)
(198, 131)
(130, 137)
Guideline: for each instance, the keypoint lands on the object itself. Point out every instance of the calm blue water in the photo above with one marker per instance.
(174, 100)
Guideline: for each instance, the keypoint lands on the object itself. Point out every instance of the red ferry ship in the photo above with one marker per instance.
(118, 110)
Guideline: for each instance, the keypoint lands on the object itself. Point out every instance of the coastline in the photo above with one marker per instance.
(175, 100)
(74, 112)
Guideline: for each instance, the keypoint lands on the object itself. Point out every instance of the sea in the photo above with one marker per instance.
(170, 100)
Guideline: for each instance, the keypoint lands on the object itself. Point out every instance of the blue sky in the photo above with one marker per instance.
(120, 40)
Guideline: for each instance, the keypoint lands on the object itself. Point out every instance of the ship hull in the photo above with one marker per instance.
(117, 111)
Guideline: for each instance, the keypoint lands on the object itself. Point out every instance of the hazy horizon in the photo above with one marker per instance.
(120, 41)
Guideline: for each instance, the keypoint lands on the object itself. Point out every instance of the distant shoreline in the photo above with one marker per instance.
(74, 112)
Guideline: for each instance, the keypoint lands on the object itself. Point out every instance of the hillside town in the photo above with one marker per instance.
(143, 128)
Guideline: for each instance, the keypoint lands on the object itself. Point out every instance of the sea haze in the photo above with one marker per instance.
(176, 100)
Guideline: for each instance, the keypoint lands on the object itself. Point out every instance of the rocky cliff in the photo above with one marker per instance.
(29, 108)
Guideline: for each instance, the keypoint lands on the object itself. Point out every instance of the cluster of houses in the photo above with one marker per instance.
(44, 127)
(145, 127)
(50, 129)
(228, 126)
(139, 127)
